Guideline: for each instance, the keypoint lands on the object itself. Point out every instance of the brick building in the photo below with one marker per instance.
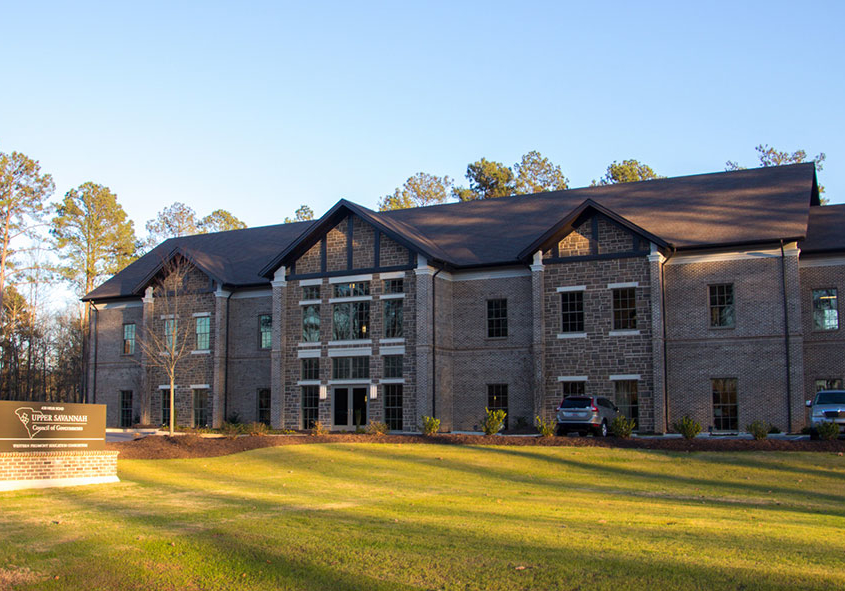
(714, 296)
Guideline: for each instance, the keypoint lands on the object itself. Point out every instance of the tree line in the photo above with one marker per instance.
(87, 237)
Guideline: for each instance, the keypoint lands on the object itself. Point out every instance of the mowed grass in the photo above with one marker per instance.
(377, 516)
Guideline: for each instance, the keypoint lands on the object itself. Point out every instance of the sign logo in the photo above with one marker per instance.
(25, 416)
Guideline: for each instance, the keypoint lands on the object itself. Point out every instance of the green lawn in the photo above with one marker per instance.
(371, 516)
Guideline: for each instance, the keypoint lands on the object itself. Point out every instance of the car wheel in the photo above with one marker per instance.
(814, 434)
(602, 431)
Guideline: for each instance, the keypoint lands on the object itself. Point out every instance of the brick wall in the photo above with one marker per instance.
(26, 470)
(249, 365)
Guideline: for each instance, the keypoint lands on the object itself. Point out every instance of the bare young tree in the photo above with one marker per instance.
(165, 339)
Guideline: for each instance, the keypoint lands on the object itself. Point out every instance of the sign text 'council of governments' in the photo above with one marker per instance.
(51, 426)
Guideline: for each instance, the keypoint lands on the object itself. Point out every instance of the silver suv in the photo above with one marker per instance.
(585, 413)
(827, 406)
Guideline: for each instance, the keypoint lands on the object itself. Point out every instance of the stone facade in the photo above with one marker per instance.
(658, 344)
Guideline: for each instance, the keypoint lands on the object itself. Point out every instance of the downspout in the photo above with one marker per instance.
(665, 343)
(226, 364)
(434, 343)
(786, 338)
(96, 354)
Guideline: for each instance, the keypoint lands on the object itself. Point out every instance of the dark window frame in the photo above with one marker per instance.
(265, 332)
(309, 368)
(263, 411)
(390, 363)
(393, 406)
(204, 335)
(497, 399)
(572, 312)
(822, 322)
(357, 326)
(497, 318)
(310, 292)
(393, 318)
(129, 341)
(574, 388)
(351, 368)
(627, 398)
(311, 323)
(310, 405)
(722, 305)
(201, 416)
(624, 308)
(725, 410)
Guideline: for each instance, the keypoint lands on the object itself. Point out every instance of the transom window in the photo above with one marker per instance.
(310, 292)
(725, 413)
(497, 318)
(497, 399)
(203, 333)
(350, 368)
(572, 311)
(128, 339)
(350, 321)
(265, 331)
(393, 318)
(722, 306)
(311, 323)
(625, 308)
(311, 368)
(393, 366)
(394, 286)
(346, 290)
(627, 399)
(825, 309)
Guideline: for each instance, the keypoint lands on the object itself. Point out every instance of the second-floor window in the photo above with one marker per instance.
(722, 306)
(625, 308)
(203, 333)
(311, 368)
(350, 368)
(128, 339)
(170, 333)
(497, 318)
(572, 311)
(265, 331)
(311, 323)
(350, 321)
(393, 319)
(825, 309)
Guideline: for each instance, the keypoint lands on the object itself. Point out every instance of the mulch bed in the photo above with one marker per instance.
(193, 446)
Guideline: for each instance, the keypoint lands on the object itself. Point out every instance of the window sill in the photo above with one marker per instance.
(392, 296)
(311, 344)
(309, 383)
(722, 327)
(392, 341)
(504, 338)
(572, 335)
(350, 342)
(309, 302)
(392, 381)
(349, 381)
(343, 300)
(201, 352)
(624, 333)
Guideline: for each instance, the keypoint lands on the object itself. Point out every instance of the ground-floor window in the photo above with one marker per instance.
(497, 399)
(573, 389)
(264, 406)
(828, 384)
(200, 408)
(165, 407)
(628, 399)
(725, 415)
(126, 408)
(393, 406)
(310, 406)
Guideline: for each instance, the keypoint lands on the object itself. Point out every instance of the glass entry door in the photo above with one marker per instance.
(350, 407)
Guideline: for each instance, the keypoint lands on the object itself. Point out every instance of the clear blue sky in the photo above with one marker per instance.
(258, 107)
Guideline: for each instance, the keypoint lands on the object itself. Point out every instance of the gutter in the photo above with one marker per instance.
(786, 339)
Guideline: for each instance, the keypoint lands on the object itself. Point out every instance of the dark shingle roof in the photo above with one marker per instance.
(726, 208)
(825, 230)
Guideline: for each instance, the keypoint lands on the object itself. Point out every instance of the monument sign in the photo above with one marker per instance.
(51, 426)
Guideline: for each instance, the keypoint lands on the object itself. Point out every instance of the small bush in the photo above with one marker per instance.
(828, 430)
(257, 429)
(773, 430)
(377, 428)
(230, 430)
(622, 426)
(521, 422)
(546, 428)
(758, 429)
(493, 422)
(687, 427)
(234, 418)
(430, 425)
(319, 429)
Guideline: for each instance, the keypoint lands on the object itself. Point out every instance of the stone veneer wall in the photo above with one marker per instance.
(56, 468)
(249, 365)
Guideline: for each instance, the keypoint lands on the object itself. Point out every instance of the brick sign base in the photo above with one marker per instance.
(57, 468)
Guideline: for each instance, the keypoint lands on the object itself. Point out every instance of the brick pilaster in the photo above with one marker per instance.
(424, 338)
(141, 333)
(538, 346)
(796, 340)
(219, 367)
(277, 358)
(655, 263)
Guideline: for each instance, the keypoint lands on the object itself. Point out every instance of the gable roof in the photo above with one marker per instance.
(701, 211)
(825, 230)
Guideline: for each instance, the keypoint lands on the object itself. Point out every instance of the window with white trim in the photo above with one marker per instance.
(203, 333)
(825, 309)
(350, 368)
(625, 308)
(572, 311)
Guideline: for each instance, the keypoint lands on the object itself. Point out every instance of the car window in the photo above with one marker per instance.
(830, 398)
(576, 402)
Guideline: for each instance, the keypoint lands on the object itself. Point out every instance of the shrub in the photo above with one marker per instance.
(828, 430)
(521, 422)
(230, 430)
(319, 429)
(758, 429)
(546, 428)
(430, 425)
(622, 426)
(493, 422)
(687, 427)
(773, 430)
(257, 429)
(377, 428)
(234, 418)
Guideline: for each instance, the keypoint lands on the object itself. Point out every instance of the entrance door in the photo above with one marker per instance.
(350, 407)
